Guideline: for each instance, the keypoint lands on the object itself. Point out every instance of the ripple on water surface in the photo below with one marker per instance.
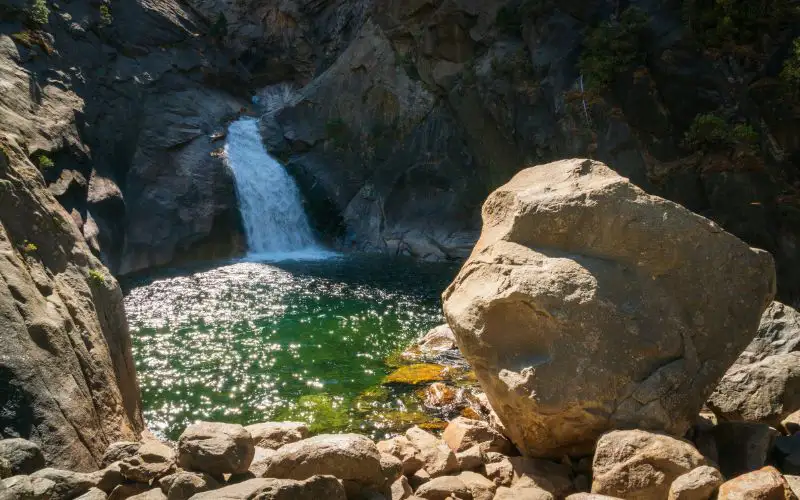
(255, 341)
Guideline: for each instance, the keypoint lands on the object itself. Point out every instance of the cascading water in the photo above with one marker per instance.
(269, 201)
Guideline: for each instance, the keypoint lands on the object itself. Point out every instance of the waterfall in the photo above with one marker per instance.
(269, 201)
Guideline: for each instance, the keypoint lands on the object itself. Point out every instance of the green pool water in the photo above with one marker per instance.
(307, 340)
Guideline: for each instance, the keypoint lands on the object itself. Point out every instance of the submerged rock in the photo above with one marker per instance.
(573, 307)
(416, 374)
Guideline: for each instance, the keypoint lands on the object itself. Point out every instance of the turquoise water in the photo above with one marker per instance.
(255, 341)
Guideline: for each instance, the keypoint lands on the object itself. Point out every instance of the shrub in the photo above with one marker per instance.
(38, 12)
(97, 276)
(45, 162)
(791, 67)
(105, 15)
(29, 247)
(613, 47)
(720, 22)
(714, 132)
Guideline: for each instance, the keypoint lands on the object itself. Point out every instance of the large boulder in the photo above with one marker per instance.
(638, 465)
(67, 372)
(589, 305)
(313, 488)
(273, 435)
(216, 448)
(764, 383)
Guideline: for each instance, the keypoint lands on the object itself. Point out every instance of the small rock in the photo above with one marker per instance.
(470, 459)
(589, 496)
(24, 457)
(183, 484)
(763, 484)
(794, 483)
(314, 488)
(401, 489)
(349, 457)
(392, 467)
(260, 461)
(462, 433)
(127, 490)
(5, 468)
(119, 451)
(109, 478)
(153, 494)
(66, 484)
(542, 474)
(93, 494)
(419, 478)
(791, 424)
(641, 465)
(216, 448)
(153, 461)
(524, 493)
(438, 339)
(441, 488)
(276, 434)
(480, 487)
(501, 472)
(436, 456)
(401, 448)
(742, 446)
(697, 484)
(27, 488)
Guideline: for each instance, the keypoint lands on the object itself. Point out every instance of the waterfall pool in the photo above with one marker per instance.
(308, 340)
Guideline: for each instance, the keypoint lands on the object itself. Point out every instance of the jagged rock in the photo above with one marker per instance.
(401, 489)
(216, 448)
(463, 433)
(23, 456)
(764, 383)
(351, 458)
(183, 484)
(119, 451)
(568, 250)
(276, 434)
(404, 450)
(522, 493)
(93, 494)
(480, 487)
(742, 447)
(67, 356)
(763, 484)
(697, 484)
(436, 457)
(27, 488)
(640, 465)
(152, 461)
(470, 459)
(66, 484)
(442, 488)
(313, 488)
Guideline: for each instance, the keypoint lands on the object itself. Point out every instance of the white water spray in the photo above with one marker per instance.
(272, 211)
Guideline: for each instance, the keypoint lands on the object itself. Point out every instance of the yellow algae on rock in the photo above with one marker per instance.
(416, 374)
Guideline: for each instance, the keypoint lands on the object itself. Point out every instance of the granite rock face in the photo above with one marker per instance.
(578, 307)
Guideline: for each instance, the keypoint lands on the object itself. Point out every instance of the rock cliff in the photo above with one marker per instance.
(67, 376)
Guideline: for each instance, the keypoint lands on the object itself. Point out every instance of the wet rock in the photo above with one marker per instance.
(462, 433)
(119, 451)
(568, 251)
(23, 456)
(401, 489)
(404, 450)
(351, 458)
(313, 488)
(742, 447)
(216, 448)
(183, 484)
(416, 374)
(276, 434)
(152, 461)
(697, 484)
(66, 484)
(480, 487)
(763, 484)
(641, 465)
(437, 458)
(438, 340)
(442, 488)
(93, 494)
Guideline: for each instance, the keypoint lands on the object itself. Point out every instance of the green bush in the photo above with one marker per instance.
(97, 276)
(710, 131)
(105, 15)
(38, 13)
(791, 68)
(45, 162)
(29, 247)
(720, 22)
(613, 47)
